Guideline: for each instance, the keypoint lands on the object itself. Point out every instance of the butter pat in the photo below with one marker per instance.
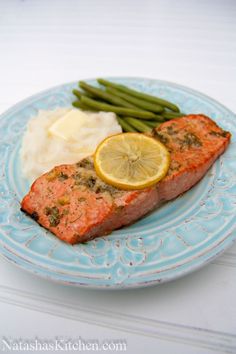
(66, 127)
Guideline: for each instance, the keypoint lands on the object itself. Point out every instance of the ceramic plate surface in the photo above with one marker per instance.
(177, 238)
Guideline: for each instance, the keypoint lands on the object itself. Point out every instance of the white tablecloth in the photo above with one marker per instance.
(45, 43)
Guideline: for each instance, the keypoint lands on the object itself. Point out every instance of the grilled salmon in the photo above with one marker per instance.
(76, 205)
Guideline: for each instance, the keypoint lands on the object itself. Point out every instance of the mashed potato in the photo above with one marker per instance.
(42, 151)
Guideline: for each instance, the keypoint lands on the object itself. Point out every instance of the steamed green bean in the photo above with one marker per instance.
(100, 106)
(148, 106)
(105, 95)
(125, 125)
(138, 124)
(144, 96)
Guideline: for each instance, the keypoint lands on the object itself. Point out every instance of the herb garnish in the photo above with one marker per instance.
(53, 215)
(85, 163)
(164, 139)
(222, 134)
(62, 176)
(190, 140)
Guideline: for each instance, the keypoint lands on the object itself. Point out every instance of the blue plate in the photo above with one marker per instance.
(179, 237)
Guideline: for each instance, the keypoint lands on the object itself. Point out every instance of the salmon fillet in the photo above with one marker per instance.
(76, 205)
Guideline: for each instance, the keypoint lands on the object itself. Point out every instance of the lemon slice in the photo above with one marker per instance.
(131, 160)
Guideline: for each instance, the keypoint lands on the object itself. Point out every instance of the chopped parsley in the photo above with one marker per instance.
(53, 215)
(62, 176)
(190, 140)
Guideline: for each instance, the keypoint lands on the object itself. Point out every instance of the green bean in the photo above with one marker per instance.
(171, 115)
(125, 125)
(138, 124)
(80, 105)
(141, 95)
(159, 118)
(116, 109)
(152, 124)
(106, 96)
(78, 94)
(155, 108)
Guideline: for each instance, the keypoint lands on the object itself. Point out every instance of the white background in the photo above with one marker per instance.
(45, 43)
